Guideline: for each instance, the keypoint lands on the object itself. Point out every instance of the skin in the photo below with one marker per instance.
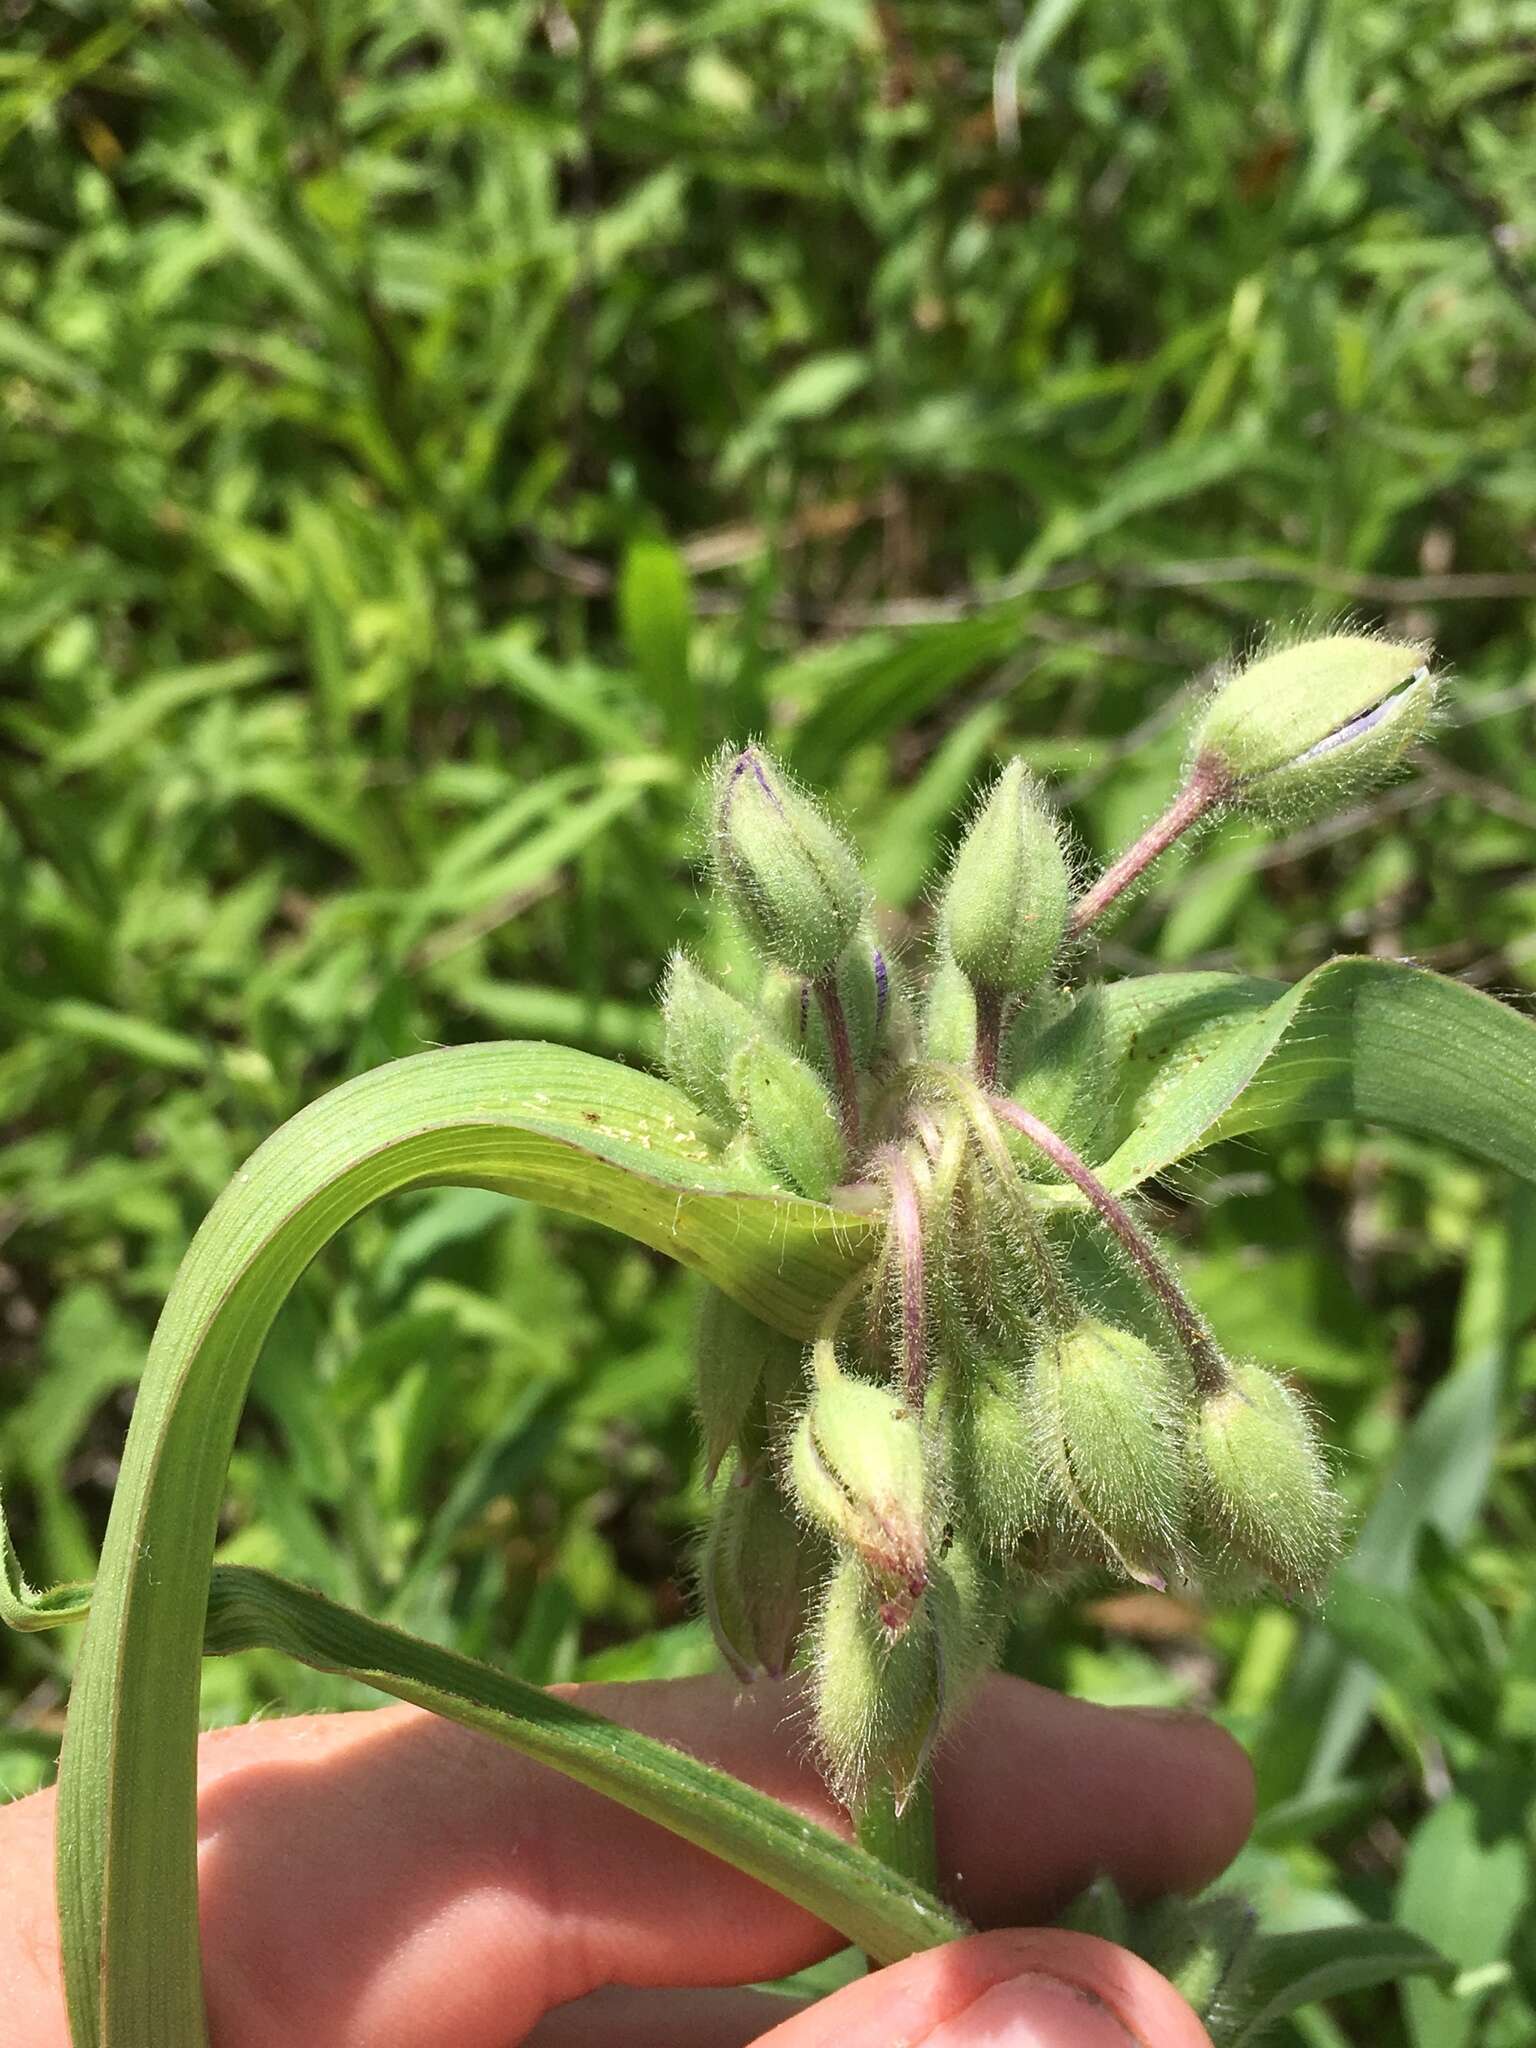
(386, 1880)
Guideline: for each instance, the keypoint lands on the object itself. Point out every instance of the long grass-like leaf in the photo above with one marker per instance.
(596, 1140)
(852, 1891)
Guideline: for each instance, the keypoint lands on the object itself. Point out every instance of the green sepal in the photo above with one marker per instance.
(703, 1029)
(755, 1575)
(740, 1365)
(884, 1698)
(949, 1015)
(1000, 1479)
(858, 1470)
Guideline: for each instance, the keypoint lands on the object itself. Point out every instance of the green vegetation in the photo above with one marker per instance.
(429, 432)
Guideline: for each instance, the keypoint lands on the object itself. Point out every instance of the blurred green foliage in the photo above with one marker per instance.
(430, 428)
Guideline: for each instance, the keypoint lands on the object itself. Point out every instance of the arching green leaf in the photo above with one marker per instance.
(538, 1121)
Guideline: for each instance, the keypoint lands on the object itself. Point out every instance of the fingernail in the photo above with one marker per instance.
(1032, 2011)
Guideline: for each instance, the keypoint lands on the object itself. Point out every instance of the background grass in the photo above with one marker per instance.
(430, 428)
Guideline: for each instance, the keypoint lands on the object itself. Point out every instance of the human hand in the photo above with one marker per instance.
(388, 1880)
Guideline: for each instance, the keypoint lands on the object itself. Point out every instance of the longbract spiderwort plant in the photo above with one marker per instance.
(940, 1354)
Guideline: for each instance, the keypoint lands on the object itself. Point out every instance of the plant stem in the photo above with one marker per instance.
(1208, 784)
(836, 1021)
(904, 1840)
(1210, 1368)
(906, 1226)
(989, 1034)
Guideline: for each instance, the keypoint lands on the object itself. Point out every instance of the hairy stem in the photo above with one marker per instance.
(902, 1838)
(906, 1228)
(1208, 784)
(1209, 1367)
(836, 1021)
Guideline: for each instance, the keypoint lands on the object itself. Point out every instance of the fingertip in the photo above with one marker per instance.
(1039, 1795)
(1214, 1765)
(1017, 1988)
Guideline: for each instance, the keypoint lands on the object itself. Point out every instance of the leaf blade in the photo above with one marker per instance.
(856, 1893)
(1378, 1041)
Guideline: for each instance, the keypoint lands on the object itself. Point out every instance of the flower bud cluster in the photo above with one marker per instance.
(980, 1415)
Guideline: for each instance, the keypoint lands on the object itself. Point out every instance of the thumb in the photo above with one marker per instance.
(1032, 1988)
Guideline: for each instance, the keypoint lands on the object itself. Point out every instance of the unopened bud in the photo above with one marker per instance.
(702, 1031)
(858, 1471)
(1315, 725)
(878, 1696)
(949, 1017)
(998, 1470)
(1263, 1484)
(1004, 907)
(1108, 1421)
(883, 1699)
(742, 1368)
(789, 874)
(754, 1574)
(790, 1116)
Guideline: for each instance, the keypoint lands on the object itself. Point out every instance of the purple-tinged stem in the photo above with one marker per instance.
(836, 1020)
(1210, 1368)
(906, 1227)
(1208, 785)
(989, 1034)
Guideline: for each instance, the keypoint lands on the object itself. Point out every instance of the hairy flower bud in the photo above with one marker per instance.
(753, 1575)
(788, 873)
(1004, 907)
(790, 1116)
(882, 1698)
(1314, 725)
(858, 1471)
(1108, 1415)
(702, 1031)
(743, 1369)
(1262, 1482)
(949, 1017)
(998, 1470)
(878, 1696)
